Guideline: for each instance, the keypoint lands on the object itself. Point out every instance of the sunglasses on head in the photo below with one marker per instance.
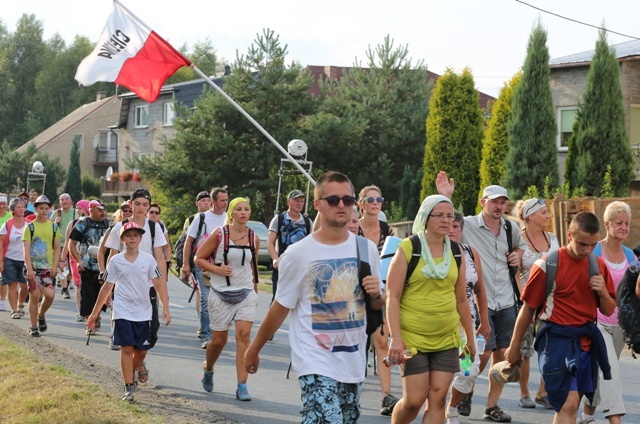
(372, 199)
(538, 202)
(334, 201)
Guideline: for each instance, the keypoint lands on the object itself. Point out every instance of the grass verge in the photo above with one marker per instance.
(33, 392)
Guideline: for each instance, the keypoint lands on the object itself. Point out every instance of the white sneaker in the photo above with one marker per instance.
(2, 307)
(590, 420)
(452, 418)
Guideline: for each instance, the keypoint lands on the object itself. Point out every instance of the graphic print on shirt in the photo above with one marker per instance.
(337, 304)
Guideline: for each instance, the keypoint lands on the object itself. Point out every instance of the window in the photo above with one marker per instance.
(107, 145)
(634, 124)
(566, 118)
(168, 115)
(80, 139)
(142, 115)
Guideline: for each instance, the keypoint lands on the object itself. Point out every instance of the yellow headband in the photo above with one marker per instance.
(233, 204)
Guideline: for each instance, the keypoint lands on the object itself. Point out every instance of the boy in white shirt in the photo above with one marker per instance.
(130, 272)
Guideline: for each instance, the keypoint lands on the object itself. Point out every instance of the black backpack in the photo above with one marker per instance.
(291, 232)
(374, 318)
(629, 308)
(178, 248)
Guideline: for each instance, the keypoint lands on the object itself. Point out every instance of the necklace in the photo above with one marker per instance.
(238, 239)
(546, 239)
(611, 256)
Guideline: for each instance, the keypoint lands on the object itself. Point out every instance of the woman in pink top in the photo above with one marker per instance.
(617, 221)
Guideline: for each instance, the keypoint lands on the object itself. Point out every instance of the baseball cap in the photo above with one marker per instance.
(124, 204)
(97, 203)
(295, 194)
(494, 191)
(503, 372)
(141, 192)
(131, 226)
(203, 195)
(42, 199)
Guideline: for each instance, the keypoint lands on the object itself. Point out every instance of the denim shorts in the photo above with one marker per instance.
(502, 325)
(13, 272)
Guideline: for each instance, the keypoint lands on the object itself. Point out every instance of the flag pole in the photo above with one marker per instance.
(255, 124)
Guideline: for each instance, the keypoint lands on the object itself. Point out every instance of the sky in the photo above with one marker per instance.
(488, 36)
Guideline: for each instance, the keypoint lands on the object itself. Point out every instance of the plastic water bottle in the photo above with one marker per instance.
(408, 354)
(480, 344)
(465, 365)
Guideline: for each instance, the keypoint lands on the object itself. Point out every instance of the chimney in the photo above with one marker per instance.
(101, 95)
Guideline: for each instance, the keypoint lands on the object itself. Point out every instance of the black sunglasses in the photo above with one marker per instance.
(334, 201)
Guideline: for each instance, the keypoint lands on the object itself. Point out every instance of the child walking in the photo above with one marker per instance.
(130, 272)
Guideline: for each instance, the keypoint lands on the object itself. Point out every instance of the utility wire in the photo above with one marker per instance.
(576, 21)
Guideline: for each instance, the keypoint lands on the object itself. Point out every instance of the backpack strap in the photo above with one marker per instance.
(416, 248)
(7, 239)
(225, 248)
(200, 224)
(254, 257)
(152, 233)
(307, 223)
(512, 269)
(457, 252)
(279, 233)
(32, 230)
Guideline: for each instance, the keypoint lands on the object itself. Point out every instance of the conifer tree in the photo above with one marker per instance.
(599, 137)
(73, 186)
(532, 130)
(495, 144)
(454, 137)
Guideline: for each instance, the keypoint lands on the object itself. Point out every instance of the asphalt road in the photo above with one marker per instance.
(175, 365)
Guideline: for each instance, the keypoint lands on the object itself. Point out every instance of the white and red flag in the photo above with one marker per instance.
(130, 54)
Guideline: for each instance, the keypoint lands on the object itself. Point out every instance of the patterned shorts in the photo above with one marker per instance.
(325, 400)
(44, 279)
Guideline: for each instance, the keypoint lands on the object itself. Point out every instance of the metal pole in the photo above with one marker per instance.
(255, 124)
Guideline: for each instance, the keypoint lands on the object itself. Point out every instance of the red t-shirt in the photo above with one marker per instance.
(571, 301)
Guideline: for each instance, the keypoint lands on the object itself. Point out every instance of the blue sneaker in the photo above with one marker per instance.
(242, 393)
(207, 379)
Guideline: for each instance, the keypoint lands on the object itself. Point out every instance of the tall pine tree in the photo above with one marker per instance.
(73, 186)
(454, 137)
(532, 130)
(599, 136)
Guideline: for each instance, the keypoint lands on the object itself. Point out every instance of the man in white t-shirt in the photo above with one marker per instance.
(213, 219)
(321, 290)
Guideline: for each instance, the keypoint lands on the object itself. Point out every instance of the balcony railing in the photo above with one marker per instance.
(119, 188)
(106, 155)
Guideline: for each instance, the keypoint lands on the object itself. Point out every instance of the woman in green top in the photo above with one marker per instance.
(424, 314)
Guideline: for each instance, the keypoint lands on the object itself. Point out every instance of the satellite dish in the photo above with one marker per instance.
(108, 174)
(297, 148)
(37, 167)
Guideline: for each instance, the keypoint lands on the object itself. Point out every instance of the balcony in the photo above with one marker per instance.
(106, 156)
(117, 188)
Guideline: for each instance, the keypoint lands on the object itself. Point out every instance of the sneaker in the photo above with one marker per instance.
(16, 315)
(65, 294)
(113, 346)
(387, 404)
(2, 307)
(80, 318)
(544, 401)
(452, 418)
(34, 332)
(205, 343)
(496, 414)
(42, 324)
(526, 402)
(207, 379)
(242, 393)
(464, 407)
(590, 420)
(129, 390)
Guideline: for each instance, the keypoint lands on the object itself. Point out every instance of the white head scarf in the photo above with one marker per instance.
(431, 270)
(532, 206)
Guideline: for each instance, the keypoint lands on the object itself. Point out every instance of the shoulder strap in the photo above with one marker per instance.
(457, 254)
(307, 223)
(225, 248)
(362, 250)
(152, 233)
(200, 224)
(161, 227)
(551, 267)
(512, 269)
(416, 248)
(384, 228)
(281, 247)
(254, 256)
(594, 268)
(7, 238)
(32, 230)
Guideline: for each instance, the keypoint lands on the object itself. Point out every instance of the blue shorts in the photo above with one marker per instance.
(325, 400)
(13, 272)
(132, 333)
(502, 325)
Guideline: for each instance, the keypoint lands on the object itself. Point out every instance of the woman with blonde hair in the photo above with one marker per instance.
(234, 289)
(617, 257)
(534, 217)
(370, 202)
(424, 311)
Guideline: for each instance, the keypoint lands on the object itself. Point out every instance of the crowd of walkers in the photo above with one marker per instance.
(456, 280)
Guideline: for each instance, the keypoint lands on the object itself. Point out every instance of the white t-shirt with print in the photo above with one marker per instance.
(319, 284)
(131, 279)
(15, 250)
(113, 241)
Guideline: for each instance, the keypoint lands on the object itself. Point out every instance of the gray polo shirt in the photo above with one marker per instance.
(492, 250)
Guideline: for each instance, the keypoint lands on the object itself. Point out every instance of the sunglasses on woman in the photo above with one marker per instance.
(334, 201)
(538, 202)
(372, 199)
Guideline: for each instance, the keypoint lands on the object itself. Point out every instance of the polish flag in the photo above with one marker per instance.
(130, 54)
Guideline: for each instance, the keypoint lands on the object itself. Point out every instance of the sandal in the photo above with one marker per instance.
(143, 373)
(16, 315)
(21, 309)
